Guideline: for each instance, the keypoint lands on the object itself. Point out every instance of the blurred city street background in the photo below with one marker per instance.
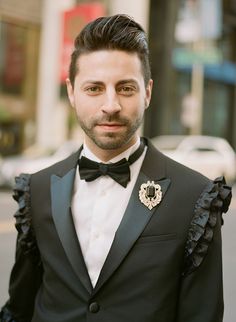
(191, 118)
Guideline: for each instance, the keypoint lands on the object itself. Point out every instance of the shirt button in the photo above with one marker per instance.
(94, 307)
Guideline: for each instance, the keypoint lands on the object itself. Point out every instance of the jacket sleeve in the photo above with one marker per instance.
(26, 275)
(201, 290)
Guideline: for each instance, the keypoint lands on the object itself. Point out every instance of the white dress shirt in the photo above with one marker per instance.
(98, 207)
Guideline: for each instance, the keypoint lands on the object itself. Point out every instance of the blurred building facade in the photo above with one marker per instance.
(19, 53)
(33, 104)
(199, 69)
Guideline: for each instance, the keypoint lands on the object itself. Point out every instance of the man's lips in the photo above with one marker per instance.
(110, 126)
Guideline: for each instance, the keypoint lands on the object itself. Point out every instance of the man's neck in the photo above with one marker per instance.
(106, 155)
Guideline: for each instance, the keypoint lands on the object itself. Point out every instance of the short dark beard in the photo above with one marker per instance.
(114, 142)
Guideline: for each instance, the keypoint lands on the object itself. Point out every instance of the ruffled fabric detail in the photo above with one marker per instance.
(214, 200)
(26, 237)
(5, 316)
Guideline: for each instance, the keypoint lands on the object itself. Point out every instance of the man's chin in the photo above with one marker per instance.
(110, 141)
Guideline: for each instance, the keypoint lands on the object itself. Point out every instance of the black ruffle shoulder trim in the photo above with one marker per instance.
(26, 238)
(5, 315)
(213, 201)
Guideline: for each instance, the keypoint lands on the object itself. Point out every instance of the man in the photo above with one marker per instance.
(116, 232)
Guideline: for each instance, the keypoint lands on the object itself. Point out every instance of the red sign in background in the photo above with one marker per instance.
(73, 21)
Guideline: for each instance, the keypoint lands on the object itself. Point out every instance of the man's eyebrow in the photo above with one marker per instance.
(128, 81)
(91, 81)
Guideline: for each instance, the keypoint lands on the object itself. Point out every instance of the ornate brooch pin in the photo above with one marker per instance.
(150, 194)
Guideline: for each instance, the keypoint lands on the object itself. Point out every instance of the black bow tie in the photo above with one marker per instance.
(119, 171)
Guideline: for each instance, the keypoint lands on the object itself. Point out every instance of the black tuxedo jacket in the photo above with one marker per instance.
(164, 264)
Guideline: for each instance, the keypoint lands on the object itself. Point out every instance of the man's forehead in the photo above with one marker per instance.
(116, 61)
(99, 55)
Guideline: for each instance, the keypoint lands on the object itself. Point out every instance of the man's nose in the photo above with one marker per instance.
(111, 102)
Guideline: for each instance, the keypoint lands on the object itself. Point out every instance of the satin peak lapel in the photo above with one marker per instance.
(61, 193)
(135, 219)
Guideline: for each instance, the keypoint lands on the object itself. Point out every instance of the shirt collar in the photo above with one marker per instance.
(126, 154)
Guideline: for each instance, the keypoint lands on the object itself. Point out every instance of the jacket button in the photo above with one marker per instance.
(94, 307)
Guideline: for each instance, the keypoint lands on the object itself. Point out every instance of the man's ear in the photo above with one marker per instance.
(70, 92)
(148, 93)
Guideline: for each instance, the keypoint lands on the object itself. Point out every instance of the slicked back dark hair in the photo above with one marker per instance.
(118, 32)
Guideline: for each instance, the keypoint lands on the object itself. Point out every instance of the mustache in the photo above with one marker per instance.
(111, 119)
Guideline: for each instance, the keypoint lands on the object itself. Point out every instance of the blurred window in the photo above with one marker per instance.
(10, 138)
(216, 112)
(12, 58)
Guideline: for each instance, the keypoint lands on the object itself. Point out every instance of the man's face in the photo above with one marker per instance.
(110, 97)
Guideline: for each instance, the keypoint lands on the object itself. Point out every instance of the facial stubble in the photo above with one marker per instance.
(111, 140)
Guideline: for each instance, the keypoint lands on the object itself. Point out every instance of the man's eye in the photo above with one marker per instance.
(126, 90)
(93, 90)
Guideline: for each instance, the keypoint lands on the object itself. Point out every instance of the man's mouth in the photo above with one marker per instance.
(110, 126)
